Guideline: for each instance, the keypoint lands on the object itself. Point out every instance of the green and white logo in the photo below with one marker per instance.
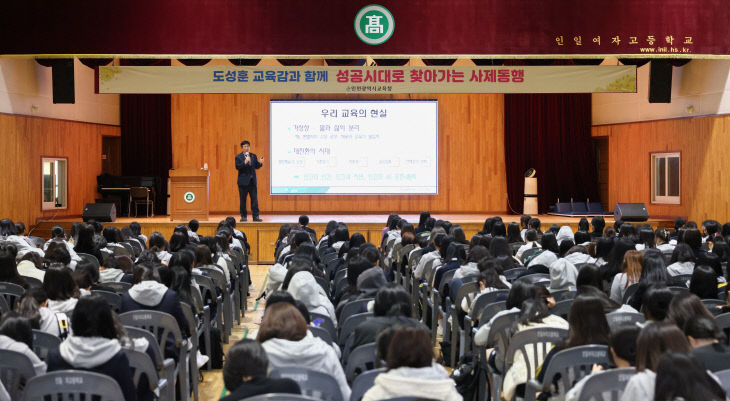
(189, 197)
(374, 24)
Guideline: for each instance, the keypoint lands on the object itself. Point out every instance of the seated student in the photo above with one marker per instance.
(654, 340)
(412, 371)
(392, 307)
(58, 253)
(58, 235)
(437, 237)
(16, 334)
(518, 294)
(563, 275)
(94, 345)
(8, 268)
(630, 274)
(60, 289)
(530, 242)
(148, 293)
(471, 268)
(622, 346)
(160, 247)
(578, 254)
(9, 233)
(704, 282)
(284, 336)
(192, 229)
(245, 373)
(305, 288)
(682, 262)
(534, 313)
(684, 306)
(489, 281)
(587, 325)
(680, 377)
(304, 225)
(113, 237)
(85, 243)
(111, 271)
(708, 343)
(656, 303)
(548, 254)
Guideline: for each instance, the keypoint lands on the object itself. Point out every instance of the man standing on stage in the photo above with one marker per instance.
(247, 163)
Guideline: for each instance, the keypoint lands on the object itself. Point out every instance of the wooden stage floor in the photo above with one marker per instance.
(262, 235)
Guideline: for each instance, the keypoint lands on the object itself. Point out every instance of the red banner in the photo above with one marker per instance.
(641, 28)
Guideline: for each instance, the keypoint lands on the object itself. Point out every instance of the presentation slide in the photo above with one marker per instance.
(354, 147)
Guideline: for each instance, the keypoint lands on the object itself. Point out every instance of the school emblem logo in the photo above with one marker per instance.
(189, 197)
(374, 24)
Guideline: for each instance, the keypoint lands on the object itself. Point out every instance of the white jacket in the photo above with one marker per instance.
(419, 270)
(27, 268)
(431, 382)
(677, 268)
(564, 234)
(9, 344)
(277, 273)
(469, 269)
(546, 258)
(309, 352)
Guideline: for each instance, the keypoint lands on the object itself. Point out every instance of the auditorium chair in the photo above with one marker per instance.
(72, 385)
(44, 343)
(16, 369)
(571, 364)
(312, 383)
(611, 382)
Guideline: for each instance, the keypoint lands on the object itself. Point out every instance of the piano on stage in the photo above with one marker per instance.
(116, 189)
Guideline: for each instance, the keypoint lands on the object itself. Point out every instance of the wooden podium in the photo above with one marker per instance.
(188, 193)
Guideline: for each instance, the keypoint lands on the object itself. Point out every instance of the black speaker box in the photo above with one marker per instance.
(63, 81)
(630, 212)
(660, 82)
(106, 212)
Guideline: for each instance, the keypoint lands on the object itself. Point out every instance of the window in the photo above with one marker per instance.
(665, 175)
(53, 172)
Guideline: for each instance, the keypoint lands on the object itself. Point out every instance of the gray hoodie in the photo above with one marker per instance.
(309, 352)
(148, 293)
(640, 386)
(9, 344)
(303, 287)
(563, 275)
(431, 382)
(110, 275)
(88, 352)
(66, 306)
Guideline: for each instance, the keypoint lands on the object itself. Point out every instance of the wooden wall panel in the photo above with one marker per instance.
(704, 143)
(208, 129)
(25, 140)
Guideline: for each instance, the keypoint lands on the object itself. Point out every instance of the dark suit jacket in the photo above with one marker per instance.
(247, 172)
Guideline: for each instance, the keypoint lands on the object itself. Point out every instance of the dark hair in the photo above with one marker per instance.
(157, 242)
(583, 224)
(655, 339)
(58, 283)
(18, 328)
(112, 234)
(683, 306)
(711, 260)
(498, 229)
(703, 327)
(370, 253)
(355, 267)
(589, 274)
(623, 343)
(500, 247)
(531, 235)
(93, 317)
(581, 237)
(519, 293)
(245, 143)
(646, 237)
(682, 253)
(145, 272)
(284, 321)
(392, 300)
(587, 322)
(246, 358)
(477, 253)
(7, 228)
(303, 220)
(8, 267)
(656, 302)
(693, 238)
(533, 310)
(423, 218)
(58, 232)
(410, 347)
(627, 231)
(704, 282)
(534, 223)
(679, 223)
(57, 252)
(680, 377)
(549, 243)
(653, 269)
(178, 241)
(554, 228)
(565, 246)
(203, 255)
(489, 277)
(513, 233)
(279, 296)
(598, 224)
(193, 225)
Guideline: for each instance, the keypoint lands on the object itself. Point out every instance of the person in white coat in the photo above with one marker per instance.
(304, 287)
(288, 343)
(412, 371)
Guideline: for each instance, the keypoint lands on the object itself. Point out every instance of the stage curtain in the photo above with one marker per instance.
(551, 133)
(146, 140)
